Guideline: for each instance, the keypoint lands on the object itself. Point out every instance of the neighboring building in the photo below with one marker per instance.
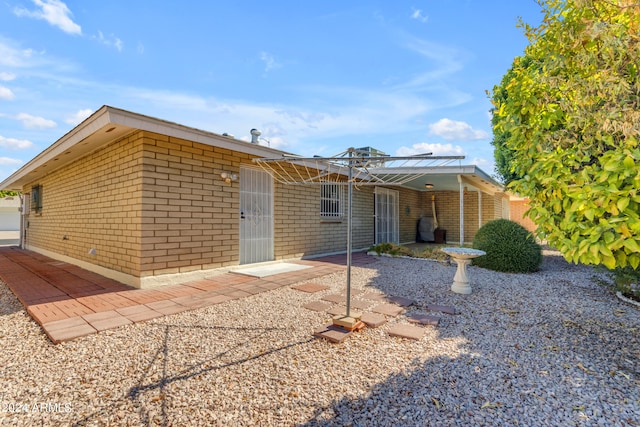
(10, 213)
(518, 207)
(147, 202)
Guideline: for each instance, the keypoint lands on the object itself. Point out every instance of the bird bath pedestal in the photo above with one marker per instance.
(462, 256)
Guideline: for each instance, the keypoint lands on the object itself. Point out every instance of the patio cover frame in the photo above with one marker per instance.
(360, 169)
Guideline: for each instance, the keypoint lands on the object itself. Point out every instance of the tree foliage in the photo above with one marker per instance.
(571, 109)
(5, 193)
(503, 155)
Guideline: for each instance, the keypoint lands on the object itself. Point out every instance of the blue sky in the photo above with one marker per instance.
(405, 77)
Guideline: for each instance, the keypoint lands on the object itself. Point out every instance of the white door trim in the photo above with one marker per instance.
(256, 216)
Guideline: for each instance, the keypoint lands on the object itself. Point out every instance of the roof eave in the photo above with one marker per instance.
(108, 124)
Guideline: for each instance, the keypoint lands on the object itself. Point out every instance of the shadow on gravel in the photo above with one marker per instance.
(561, 352)
(149, 393)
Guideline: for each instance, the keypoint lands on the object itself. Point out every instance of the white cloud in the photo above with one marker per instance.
(110, 41)
(7, 76)
(486, 165)
(78, 116)
(435, 149)
(7, 161)
(34, 122)
(452, 130)
(443, 60)
(6, 93)
(15, 144)
(269, 62)
(11, 56)
(54, 12)
(419, 16)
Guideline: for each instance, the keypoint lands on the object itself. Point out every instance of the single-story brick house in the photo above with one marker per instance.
(149, 202)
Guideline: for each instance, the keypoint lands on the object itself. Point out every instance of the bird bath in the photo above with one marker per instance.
(462, 256)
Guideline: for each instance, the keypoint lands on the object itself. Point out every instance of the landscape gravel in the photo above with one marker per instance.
(552, 348)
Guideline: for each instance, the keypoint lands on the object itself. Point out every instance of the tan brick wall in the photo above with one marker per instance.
(299, 230)
(152, 204)
(413, 206)
(190, 216)
(448, 212)
(93, 203)
(518, 208)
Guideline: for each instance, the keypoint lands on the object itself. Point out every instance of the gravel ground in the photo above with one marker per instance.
(552, 348)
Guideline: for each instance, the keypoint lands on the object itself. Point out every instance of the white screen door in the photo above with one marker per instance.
(386, 214)
(256, 216)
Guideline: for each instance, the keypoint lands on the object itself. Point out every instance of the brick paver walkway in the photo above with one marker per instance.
(70, 302)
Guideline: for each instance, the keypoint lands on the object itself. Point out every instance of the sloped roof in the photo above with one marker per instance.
(108, 124)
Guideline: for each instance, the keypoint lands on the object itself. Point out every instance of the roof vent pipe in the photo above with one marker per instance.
(255, 135)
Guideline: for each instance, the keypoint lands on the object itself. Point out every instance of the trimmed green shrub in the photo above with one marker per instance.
(509, 247)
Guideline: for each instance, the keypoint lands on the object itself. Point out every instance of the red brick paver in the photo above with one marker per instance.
(69, 302)
(406, 331)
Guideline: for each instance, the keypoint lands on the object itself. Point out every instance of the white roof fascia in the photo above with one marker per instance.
(107, 116)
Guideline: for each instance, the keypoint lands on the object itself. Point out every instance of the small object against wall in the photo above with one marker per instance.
(228, 177)
(92, 251)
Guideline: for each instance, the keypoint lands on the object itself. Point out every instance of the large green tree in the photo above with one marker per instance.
(503, 155)
(570, 110)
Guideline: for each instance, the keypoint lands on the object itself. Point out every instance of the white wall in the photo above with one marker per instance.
(10, 214)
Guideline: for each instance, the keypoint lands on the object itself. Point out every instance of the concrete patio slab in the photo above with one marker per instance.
(354, 292)
(167, 307)
(310, 287)
(401, 301)
(406, 331)
(139, 313)
(68, 329)
(423, 319)
(317, 306)
(337, 309)
(336, 298)
(270, 269)
(388, 310)
(373, 320)
(106, 320)
(332, 333)
(360, 304)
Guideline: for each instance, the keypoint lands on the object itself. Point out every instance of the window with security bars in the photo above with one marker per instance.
(331, 201)
(36, 198)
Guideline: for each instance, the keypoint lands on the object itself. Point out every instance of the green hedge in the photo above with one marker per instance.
(509, 247)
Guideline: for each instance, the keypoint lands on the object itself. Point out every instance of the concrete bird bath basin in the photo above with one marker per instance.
(462, 256)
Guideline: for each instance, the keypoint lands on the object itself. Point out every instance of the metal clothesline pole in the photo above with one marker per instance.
(370, 170)
(349, 243)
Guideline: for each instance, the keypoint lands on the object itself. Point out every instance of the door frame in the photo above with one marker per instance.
(394, 211)
(256, 244)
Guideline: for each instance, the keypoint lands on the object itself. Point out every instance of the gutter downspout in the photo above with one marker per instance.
(22, 222)
(461, 210)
